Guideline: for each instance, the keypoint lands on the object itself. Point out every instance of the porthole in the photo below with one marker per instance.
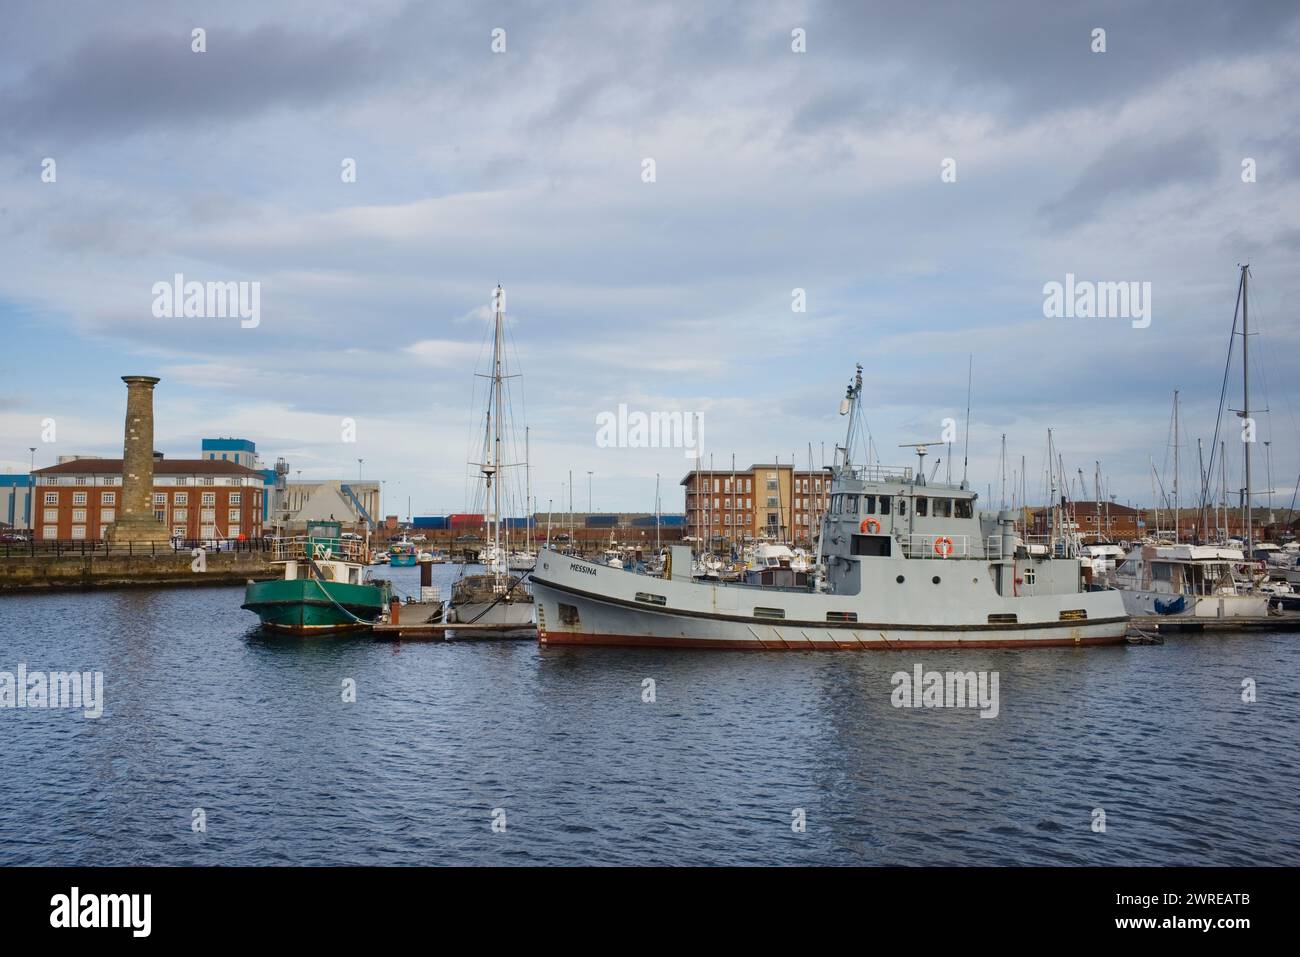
(935, 579)
(899, 579)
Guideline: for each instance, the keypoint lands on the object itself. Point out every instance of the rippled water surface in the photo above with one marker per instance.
(203, 713)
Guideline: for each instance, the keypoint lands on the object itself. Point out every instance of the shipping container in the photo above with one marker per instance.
(520, 523)
(462, 520)
(665, 521)
(429, 521)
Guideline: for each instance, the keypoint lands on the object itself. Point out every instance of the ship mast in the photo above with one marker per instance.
(849, 406)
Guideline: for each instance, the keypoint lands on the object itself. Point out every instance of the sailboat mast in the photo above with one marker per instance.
(1176, 516)
(1245, 402)
(528, 491)
(497, 380)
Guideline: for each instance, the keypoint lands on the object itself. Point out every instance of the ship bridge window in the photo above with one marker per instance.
(902, 506)
(943, 508)
(922, 505)
(875, 546)
(850, 505)
(962, 508)
(651, 599)
(868, 505)
(884, 505)
(837, 504)
(841, 616)
(769, 612)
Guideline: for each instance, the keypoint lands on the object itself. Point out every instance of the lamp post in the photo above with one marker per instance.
(589, 473)
(30, 520)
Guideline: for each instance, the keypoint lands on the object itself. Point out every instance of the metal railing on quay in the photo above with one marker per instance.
(90, 547)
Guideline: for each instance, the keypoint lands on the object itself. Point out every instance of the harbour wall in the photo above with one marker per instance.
(51, 572)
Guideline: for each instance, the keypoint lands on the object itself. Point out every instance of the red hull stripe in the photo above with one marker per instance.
(877, 644)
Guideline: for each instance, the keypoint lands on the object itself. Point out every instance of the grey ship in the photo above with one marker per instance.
(901, 564)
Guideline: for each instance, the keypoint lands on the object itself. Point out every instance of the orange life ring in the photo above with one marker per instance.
(943, 546)
(869, 523)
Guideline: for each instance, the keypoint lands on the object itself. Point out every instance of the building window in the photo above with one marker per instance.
(78, 531)
(78, 514)
(107, 498)
(50, 531)
(180, 515)
(209, 498)
(236, 498)
(78, 498)
(208, 480)
(208, 516)
(160, 498)
(81, 480)
(232, 515)
(208, 531)
(178, 531)
(181, 480)
(108, 516)
(181, 498)
(160, 514)
(51, 515)
(233, 531)
(51, 498)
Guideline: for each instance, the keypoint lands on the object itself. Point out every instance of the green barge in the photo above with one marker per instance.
(325, 589)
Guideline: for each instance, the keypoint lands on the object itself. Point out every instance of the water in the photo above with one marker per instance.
(203, 713)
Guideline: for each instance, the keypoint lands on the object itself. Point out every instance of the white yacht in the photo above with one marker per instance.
(900, 564)
(1186, 580)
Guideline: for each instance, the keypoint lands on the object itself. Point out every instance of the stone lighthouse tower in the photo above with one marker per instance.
(135, 518)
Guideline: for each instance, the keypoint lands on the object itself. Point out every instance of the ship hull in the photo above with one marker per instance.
(300, 607)
(580, 603)
(1155, 605)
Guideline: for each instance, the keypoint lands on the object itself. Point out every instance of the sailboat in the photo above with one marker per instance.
(1191, 580)
(494, 598)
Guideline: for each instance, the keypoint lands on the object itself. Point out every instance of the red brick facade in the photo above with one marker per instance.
(195, 499)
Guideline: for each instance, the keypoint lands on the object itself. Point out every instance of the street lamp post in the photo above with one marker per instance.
(30, 520)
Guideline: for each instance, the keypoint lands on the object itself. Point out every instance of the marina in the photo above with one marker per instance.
(586, 435)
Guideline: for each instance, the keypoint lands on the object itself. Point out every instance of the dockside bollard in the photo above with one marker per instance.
(394, 611)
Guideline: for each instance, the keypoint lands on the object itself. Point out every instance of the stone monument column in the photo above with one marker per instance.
(135, 520)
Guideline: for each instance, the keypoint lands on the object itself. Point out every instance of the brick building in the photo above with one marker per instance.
(198, 499)
(1112, 523)
(762, 501)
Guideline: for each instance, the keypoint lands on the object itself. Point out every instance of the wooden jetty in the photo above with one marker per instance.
(438, 631)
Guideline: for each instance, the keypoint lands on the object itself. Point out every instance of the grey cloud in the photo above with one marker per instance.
(1130, 169)
(116, 85)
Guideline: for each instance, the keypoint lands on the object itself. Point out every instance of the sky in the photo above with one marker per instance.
(920, 171)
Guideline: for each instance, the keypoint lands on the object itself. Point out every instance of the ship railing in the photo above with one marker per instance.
(881, 473)
(941, 546)
(302, 547)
